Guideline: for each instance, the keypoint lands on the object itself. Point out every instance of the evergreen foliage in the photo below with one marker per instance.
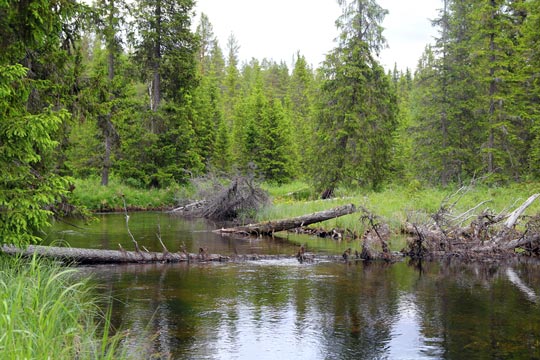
(472, 101)
(300, 102)
(175, 105)
(35, 43)
(531, 74)
(357, 109)
(26, 141)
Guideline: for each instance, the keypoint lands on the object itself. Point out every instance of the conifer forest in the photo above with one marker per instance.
(138, 91)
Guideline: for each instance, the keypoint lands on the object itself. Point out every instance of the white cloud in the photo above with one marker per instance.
(278, 29)
(408, 30)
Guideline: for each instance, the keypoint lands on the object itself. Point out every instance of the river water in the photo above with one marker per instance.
(281, 309)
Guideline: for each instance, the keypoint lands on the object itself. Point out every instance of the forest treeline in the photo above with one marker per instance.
(136, 91)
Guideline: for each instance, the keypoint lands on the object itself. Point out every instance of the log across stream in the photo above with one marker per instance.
(100, 256)
(122, 256)
(271, 227)
(487, 237)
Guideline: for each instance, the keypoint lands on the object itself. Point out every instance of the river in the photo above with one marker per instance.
(281, 309)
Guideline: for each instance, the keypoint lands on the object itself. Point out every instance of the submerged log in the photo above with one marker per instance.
(101, 256)
(270, 227)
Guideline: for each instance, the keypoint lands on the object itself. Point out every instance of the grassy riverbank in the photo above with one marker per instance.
(395, 204)
(47, 313)
(93, 196)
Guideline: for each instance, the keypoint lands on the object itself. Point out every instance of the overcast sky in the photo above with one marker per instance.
(277, 29)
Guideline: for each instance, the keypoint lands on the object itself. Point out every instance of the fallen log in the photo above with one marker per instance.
(514, 216)
(271, 227)
(101, 256)
(486, 236)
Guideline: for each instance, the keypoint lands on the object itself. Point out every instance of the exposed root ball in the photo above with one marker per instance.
(241, 197)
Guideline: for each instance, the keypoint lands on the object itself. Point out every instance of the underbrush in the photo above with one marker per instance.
(47, 313)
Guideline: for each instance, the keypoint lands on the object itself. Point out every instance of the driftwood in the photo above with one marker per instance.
(488, 236)
(271, 227)
(189, 208)
(514, 216)
(377, 233)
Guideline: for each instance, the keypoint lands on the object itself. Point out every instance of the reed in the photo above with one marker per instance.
(46, 312)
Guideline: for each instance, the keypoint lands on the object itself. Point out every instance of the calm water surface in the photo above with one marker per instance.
(286, 310)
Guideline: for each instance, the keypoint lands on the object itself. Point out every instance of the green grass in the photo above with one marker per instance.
(89, 193)
(397, 204)
(394, 205)
(46, 313)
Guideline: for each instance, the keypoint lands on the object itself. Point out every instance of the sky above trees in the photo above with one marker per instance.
(278, 29)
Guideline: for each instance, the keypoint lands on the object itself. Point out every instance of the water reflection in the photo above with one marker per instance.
(284, 309)
(109, 230)
(270, 309)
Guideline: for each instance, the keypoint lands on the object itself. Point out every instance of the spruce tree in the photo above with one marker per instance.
(531, 81)
(231, 80)
(424, 127)
(276, 159)
(357, 104)
(165, 49)
(300, 101)
(33, 58)
(207, 97)
(494, 47)
(110, 15)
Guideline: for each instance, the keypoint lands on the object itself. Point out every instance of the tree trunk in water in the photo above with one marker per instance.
(101, 256)
(270, 227)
